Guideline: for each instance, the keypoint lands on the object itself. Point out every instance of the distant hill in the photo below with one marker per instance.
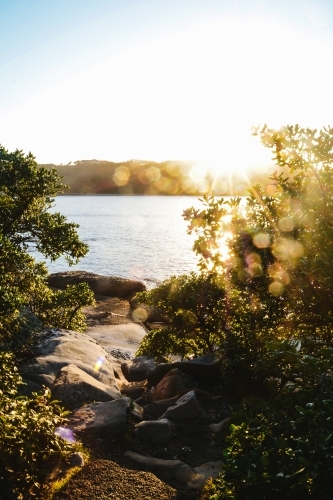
(151, 178)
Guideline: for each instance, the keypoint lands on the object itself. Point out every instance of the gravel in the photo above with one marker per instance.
(105, 480)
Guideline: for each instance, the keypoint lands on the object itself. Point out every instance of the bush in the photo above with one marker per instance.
(28, 441)
(195, 307)
(27, 194)
(284, 447)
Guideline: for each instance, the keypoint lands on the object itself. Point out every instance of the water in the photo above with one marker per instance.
(136, 237)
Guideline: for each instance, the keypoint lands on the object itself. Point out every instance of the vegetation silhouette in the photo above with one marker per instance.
(137, 177)
(271, 322)
(28, 441)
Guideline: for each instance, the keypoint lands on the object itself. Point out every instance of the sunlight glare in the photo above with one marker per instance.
(189, 95)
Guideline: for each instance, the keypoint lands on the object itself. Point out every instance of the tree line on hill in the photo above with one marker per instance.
(136, 177)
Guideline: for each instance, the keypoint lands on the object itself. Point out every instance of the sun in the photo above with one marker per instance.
(229, 167)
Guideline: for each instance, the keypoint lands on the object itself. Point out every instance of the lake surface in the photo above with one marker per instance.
(137, 237)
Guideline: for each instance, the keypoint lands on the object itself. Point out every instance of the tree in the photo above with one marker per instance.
(27, 193)
(277, 328)
(280, 262)
(281, 245)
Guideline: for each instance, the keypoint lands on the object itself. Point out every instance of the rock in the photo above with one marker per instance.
(136, 412)
(101, 418)
(203, 369)
(186, 407)
(136, 370)
(133, 390)
(173, 382)
(209, 470)
(176, 468)
(59, 348)
(154, 431)
(157, 408)
(218, 427)
(74, 388)
(76, 460)
(194, 478)
(103, 285)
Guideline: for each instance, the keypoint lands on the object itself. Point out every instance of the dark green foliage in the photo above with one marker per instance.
(195, 307)
(284, 447)
(28, 442)
(27, 193)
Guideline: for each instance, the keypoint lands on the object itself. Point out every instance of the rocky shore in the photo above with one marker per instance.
(152, 428)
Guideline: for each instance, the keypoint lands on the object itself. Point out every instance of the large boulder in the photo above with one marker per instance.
(204, 369)
(154, 431)
(137, 369)
(111, 286)
(74, 388)
(106, 419)
(156, 409)
(133, 390)
(170, 385)
(59, 348)
(185, 407)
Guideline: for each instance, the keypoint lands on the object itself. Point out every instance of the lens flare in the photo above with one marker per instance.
(99, 364)
(140, 314)
(121, 176)
(285, 249)
(286, 224)
(262, 240)
(65, 433)
(276, 288)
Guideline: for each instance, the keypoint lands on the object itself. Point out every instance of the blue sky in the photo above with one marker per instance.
(160, 79)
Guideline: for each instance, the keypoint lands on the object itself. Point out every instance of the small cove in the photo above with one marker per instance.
(136, 237)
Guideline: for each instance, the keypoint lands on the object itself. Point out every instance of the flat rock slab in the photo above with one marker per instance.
(121, 341)
(133, 390)
(59, 348)
(101, 418)
(221, 425)
(157, 408)
(108, 311)
(74, 388)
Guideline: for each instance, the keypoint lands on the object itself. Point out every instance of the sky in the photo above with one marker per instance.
(161, 79)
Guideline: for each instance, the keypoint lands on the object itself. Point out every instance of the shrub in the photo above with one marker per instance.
(284, 447)
(28, 441)
(27, 194)
(195, 307)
